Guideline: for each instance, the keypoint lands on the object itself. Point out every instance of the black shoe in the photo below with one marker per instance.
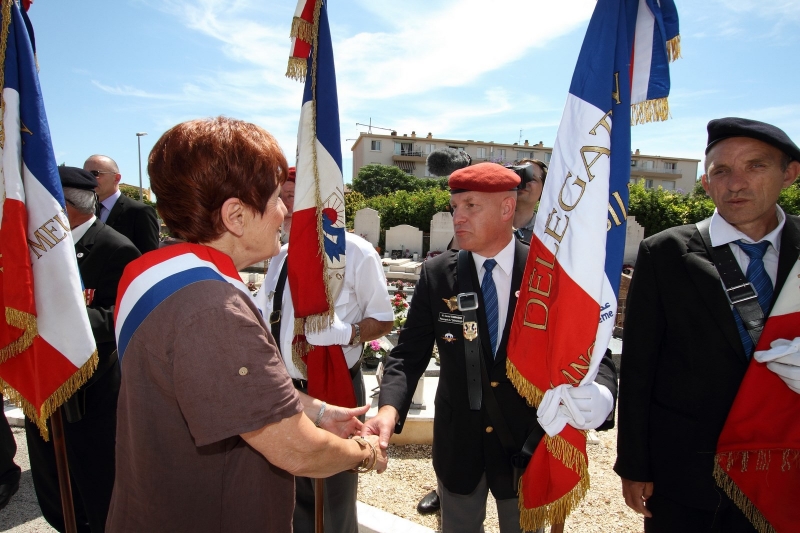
(429, 503)
(7, 491)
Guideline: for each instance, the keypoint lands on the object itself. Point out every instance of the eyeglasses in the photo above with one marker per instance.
(96, 173)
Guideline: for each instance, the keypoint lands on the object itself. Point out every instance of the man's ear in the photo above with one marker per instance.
(232, 215)
(507, 207)
(117, 178)
(791, 174)
(704, 182)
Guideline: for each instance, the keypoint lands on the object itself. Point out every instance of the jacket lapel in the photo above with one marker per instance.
(520, 260)
(116, 211)
(790, 250)
(708, 285)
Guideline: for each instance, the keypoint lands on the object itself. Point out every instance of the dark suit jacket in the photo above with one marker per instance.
(462, 448)
(136, 221)
(682, 364)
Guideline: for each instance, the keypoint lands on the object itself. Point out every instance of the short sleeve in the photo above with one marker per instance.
(228, 376)
(373, 298)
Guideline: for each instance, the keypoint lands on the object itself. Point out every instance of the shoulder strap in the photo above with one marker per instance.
(740, 292)
(472, 344)
(277, 302)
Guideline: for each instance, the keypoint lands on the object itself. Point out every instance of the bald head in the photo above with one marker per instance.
(107, 173)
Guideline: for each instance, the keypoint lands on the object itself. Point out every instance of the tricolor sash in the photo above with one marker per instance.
(154, 277)
(758, 453)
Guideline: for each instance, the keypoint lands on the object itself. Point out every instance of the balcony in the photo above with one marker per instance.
(416, 156)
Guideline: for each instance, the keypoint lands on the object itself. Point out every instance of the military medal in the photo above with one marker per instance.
(452, 303)
(470, 330)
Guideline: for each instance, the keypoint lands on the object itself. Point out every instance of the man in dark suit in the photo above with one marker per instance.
(91, 413)
(684, 354)
(468, 456)
(135, 220)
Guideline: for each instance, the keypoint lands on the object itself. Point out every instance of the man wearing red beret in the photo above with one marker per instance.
(464, 301)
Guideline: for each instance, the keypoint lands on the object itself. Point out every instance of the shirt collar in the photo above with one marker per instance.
(109, 202)
(79, 231)
(722, 232)
(504, 258)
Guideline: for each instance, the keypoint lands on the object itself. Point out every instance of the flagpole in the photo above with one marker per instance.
(63, 472)
(319, 500)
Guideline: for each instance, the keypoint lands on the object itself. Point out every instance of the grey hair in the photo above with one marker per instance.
(82, 200)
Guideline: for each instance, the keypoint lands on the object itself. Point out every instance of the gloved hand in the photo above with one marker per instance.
(583, 407)
(337, 333)
(783, 359)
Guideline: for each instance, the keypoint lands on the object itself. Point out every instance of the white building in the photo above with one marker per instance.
(410, 152)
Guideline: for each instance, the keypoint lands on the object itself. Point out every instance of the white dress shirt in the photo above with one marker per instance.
(722, 232)
(79, 231)
(364, 295)
(502, 281)
(108, 205)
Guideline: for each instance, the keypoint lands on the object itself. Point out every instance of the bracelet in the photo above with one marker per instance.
(318, 421)
(369, 462)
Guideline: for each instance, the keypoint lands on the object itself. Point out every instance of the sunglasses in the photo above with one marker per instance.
(96, 173)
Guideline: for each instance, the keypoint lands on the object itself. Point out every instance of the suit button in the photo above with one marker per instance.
(489, 429)
(495, 383)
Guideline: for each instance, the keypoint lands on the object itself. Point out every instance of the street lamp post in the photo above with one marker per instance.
(139, 142)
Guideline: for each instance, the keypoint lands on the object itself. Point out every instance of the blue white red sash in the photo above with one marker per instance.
(157, 275)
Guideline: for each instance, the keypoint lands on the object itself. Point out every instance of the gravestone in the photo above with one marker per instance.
(367, 223)
(404, 237)
(633, 236)
(441, 231)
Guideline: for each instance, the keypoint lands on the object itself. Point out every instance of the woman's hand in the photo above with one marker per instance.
(342, 421)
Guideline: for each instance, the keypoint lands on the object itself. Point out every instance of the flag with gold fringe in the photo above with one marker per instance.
(47, 350)
(568, 300)
(758, 457)
(316, 259)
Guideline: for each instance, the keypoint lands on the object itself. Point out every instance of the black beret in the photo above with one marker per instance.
(483, 177)
(725, 128)
(77, 178)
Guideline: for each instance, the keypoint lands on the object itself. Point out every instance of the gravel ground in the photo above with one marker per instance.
(410, 476)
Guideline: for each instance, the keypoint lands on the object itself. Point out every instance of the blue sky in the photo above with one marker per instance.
(461, 69)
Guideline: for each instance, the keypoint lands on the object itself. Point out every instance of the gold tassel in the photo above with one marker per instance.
(656, 110)
(525, 388)
(303, 30)
(27, 323)
(741, 500)
(3, 44)
(674, 48)
(297, 69)
(300, 348)
(61, 395)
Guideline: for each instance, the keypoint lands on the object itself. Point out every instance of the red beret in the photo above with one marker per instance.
(292, 174)
(483, 177)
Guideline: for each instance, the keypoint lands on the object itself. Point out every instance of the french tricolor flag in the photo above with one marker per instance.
(47, 350)
(568, 300)
(316, 257)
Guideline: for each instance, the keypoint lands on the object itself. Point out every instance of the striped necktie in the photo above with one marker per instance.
(490, 302)
(758, 277)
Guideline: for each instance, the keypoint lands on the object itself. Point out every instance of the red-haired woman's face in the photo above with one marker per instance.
(263, 234)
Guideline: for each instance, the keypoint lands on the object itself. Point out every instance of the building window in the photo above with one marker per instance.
(547, 156)
(648, 184)
(668, 185)
(647, 164)
(375, 146)
(404, 149)
(521, 154)
(482, 153)
(430, 148)
(501, 153)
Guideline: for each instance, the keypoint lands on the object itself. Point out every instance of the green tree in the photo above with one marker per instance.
(133, 193)
(375, 180)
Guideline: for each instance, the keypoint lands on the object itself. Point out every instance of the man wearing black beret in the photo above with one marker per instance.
(91, 413)
(480, 419)
(686, 347)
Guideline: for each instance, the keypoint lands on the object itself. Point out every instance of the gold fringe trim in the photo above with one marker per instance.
(656, 110)
(296, 69)
(525, 388)
(27, 323)
(61, 395)
(558, 511)
(300, 349)
(3, 44)
(740, 499)
(674, 48)
(303, 30)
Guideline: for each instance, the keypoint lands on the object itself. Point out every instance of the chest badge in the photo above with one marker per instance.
(448, 337)
(470, 330)
(452, 303)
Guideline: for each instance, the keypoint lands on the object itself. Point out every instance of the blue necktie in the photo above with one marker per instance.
(758, 277)
(490, 301)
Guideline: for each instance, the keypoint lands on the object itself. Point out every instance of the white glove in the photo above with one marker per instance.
(337, 333)
(783, 359)
(583, 407)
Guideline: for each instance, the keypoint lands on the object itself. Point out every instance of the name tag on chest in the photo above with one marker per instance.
(449, 318)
